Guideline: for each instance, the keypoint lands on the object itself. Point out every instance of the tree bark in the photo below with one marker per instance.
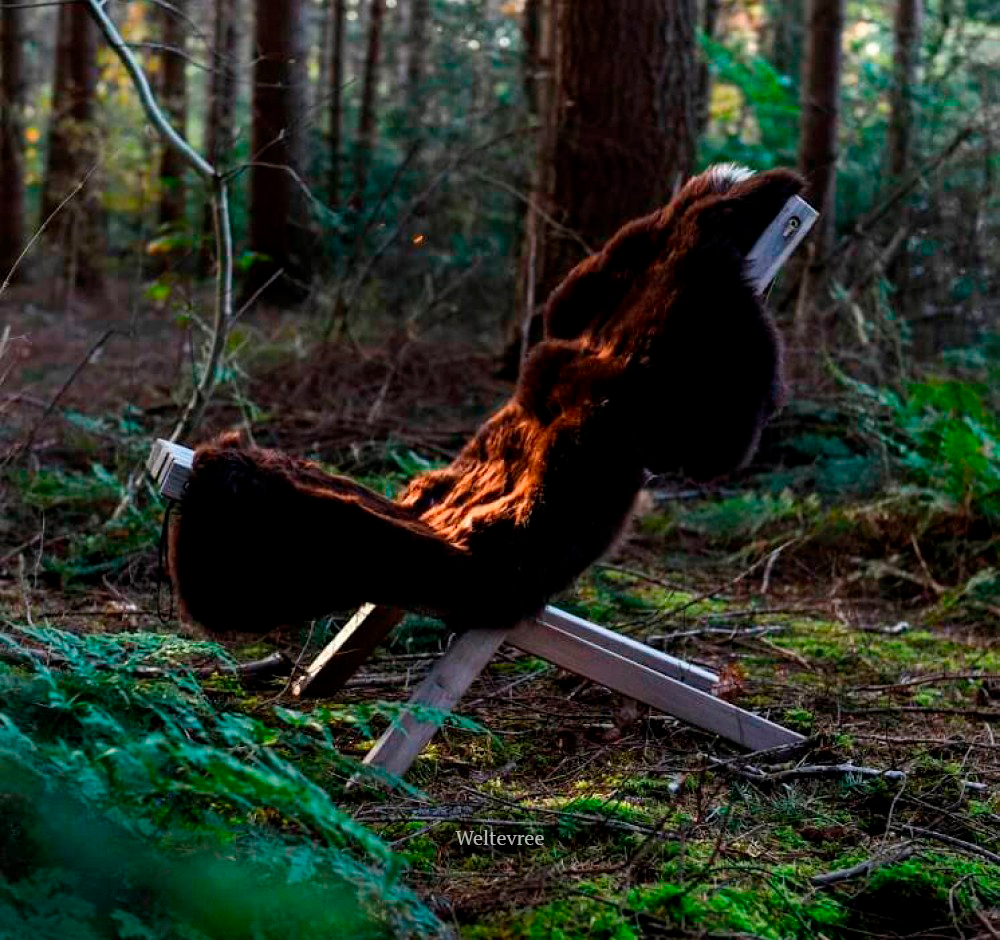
(174, 101)
(709, 19)
(278, 210)
(369, 87)
(221, 105)
(336, 98)
(617, 87)
(820, 98)
(72, 150)
(416, 52)
(899, 135)
(11, 147)
(787, 27)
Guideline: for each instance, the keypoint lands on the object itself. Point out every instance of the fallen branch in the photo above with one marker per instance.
(812, 772)
(984, 714)
(890, 856)
(969, 847)
(930, 680)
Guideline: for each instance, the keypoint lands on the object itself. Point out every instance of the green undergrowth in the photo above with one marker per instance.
(917, 894)
(137, 808)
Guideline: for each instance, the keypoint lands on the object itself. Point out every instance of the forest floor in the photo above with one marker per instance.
(650, 827)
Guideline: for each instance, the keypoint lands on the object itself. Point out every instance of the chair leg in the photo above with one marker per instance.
(347, 651)
(443, 686)
(635, 674)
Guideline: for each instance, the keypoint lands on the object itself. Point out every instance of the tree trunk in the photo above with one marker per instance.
(278, 210)
(899, 136)
(336, 98)
(11, 155)
(787, 26)
(709, 19)
(221, 104)
(624, 122)
(416, 52)
(619, 123)
(174, 101)
(820, 99)
(72, 150)
(366, 119)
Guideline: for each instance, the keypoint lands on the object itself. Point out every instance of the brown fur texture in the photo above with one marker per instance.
(659, 357)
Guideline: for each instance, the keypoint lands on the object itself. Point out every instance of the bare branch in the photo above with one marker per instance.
(195, 407)
(159, 120)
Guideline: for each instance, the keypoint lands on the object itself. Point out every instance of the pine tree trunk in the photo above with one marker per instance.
(899, 136)
(817, 162)
(820, 108)
(787, 27)
(336, 98)
(72, 148)
(619, 119)
(278, 211)
(221, 105)
(366, 119)
(623, 134)
(709, 19)
(174, 100)
(11, 152)
(416, 52)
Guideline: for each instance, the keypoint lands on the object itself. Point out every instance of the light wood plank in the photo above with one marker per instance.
(443, 686)
(347, 651)
(624, 646)
(638, 681)
(778, 241)
(169, 464)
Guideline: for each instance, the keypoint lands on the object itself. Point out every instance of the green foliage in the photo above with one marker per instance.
(140, 810)
(745, 515)
(86, 500)
(945, 437)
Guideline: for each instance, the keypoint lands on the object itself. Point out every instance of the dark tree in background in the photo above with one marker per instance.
(786, 25)
(336, 78)
(278, 208)
(173, 97)
(11, 156)
(709, 20)
(619, 126)
(416, 56)
(906, 55)
(820, 98)
(72, 146)
(221, 103)
(369, 90)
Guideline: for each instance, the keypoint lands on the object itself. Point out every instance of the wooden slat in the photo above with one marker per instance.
(638, 681)
(778, 241)
(443, 686)
(346, 652)
(169, 464)
(624, 646)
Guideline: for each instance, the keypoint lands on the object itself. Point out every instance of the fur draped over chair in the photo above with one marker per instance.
(658, 357)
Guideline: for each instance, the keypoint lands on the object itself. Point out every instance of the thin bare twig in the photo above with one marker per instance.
(54, 401)
(41, 228)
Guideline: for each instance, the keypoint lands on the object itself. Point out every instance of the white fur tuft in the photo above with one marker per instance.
(723, 176)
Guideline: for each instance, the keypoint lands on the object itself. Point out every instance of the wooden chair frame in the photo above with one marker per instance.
(618, 662)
